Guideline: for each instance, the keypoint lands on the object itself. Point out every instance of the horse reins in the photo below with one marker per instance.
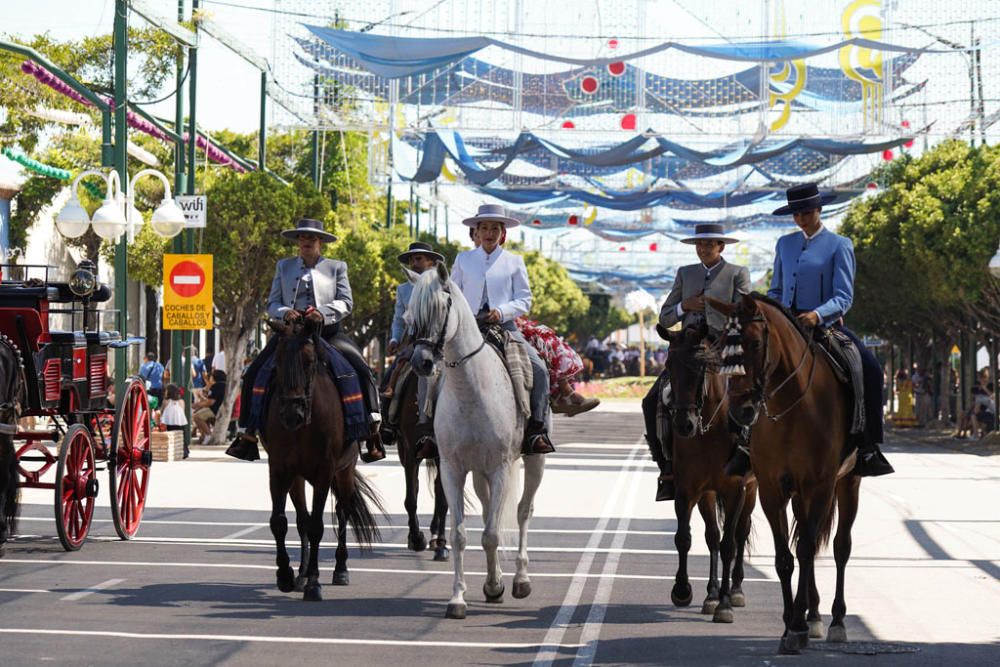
(764, 395)
(437, 347)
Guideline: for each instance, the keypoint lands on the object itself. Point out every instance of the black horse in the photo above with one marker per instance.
(304, 438)
(11, 399)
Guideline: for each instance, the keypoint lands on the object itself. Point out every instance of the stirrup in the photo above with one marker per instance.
(537, 443)
(376, 451)
(872, 463)
(665, 487)
(244, 447)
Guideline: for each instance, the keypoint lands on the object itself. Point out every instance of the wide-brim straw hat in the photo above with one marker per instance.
(420, 248)
(805, 197)
(709, 231)
(308, 226)
(491, 212)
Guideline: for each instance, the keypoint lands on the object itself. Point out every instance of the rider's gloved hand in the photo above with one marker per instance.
(314, 315)
(291, 315)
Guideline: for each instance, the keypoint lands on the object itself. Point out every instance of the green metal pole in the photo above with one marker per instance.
(192, 109)
(314, 160)
(262, 135)
(121, 165)
(180, 340)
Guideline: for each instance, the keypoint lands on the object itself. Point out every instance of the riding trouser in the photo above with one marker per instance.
(539, 374)
(873, 380)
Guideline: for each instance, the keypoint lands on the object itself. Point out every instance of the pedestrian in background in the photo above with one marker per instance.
(152, 373)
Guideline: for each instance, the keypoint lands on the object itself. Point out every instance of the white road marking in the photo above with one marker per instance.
(241, 533)
(272, 640)
(79, 595)
(24, 590)
(553, 638)
(590, 635)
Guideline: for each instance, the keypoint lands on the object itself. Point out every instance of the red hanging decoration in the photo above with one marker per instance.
(573, 220)
(905, 123)
(616, 69)
(612, 43)
(887, 155)
(872, 186)
(628, 121)
(621, 248)
(568, 125)
(653, 247)
(536, 222)
(589, 84)
(908, 144)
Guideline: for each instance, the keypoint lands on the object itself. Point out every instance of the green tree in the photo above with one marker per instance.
(556, 299)
(601, 319)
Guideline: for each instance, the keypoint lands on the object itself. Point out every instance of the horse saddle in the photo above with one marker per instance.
(402, 376)
(515, 360)
(845, 359)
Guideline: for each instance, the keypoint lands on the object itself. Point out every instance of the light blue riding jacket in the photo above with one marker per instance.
(816, 274)
(403, 293)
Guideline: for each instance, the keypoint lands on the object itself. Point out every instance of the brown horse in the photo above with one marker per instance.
(304, 439)
(798, 454)
(406, 444)
(11, 399)
(702, 443)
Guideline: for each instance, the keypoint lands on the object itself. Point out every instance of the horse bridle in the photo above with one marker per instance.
(699, 406)
(310, 372)
(437, 347)
(759, 394)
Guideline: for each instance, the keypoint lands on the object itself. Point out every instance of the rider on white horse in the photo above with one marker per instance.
(495, 283)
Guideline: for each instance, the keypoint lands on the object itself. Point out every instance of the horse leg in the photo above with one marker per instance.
(321, 491)
(340, 575)
(706, 506)
(279, 528)
(681, 593)
(453, 482)
(438, 541)
(734, 500)
(534, 468)
(773, 502)
(298, 494)
(848, 489)
(737, 596)
(810, 513)
(493, 587)
(813, 618)
(415, 539)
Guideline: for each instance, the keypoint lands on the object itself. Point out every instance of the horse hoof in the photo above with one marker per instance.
(416, 541)
(837, 634)
(738, 599)
(313, 593)
(455, 610)
(522, 589)
(441, 555)
(793, 643)
(494, 599)
(681, 595)
(341, 578)
(300, 584)
(723, 616)
(709, 607)
(816, 630)
(286, 580)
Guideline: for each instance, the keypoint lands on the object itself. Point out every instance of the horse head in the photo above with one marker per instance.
(689, 359)
(429, 316)
(295, 363)
(744, 357)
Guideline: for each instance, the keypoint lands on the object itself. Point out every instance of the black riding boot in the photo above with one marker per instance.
(665, 482)
(426, 445)
(244, 446)
(536, 439)
(871, 461)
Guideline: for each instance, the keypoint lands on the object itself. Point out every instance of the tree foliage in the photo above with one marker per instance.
(556, 299)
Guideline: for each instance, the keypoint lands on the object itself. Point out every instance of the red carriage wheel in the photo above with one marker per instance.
(132, 457)
(76, 487)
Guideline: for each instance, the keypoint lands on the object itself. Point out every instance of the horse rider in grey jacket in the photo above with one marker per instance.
(317, 286)
(712, 276)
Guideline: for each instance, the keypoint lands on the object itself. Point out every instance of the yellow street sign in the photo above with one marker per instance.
(187, 292)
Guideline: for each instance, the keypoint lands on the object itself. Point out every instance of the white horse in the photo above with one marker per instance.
(478, 429)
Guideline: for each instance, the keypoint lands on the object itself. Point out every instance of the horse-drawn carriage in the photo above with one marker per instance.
(67, 389)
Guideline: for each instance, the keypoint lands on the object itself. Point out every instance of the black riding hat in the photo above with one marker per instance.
(805, 197)
(420, 248)
(308, 226)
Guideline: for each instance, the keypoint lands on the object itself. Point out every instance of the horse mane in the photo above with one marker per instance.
(295, 374)
(789, 315)
(424, 305)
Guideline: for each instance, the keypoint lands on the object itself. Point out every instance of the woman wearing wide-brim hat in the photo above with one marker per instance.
(814, 277)
(316, 287)
(495, 283)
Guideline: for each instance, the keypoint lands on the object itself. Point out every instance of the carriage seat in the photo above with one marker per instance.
(75, 338)
(102, 337)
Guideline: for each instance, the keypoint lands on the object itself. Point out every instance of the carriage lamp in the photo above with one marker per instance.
(83, 282)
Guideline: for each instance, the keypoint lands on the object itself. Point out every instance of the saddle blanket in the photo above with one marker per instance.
(344, 377)
(519, 366)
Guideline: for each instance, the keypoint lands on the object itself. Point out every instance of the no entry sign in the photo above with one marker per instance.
(187, 292)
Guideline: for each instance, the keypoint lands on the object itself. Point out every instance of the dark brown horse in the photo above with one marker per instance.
(702, 443)
(406, 445)
(11, 399)
(801, 415)
(304, 439)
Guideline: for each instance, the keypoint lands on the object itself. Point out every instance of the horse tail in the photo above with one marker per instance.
(359, 513)
(10, 479)
(823, 531)
(508, 506)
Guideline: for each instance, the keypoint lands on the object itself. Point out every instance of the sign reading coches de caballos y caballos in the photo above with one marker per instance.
(187, 292)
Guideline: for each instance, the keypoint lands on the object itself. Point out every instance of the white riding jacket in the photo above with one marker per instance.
(500, 276)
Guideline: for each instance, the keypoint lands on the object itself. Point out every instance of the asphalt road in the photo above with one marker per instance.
(197, 585)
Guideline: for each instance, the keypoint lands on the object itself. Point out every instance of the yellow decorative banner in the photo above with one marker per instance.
(861, 19)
